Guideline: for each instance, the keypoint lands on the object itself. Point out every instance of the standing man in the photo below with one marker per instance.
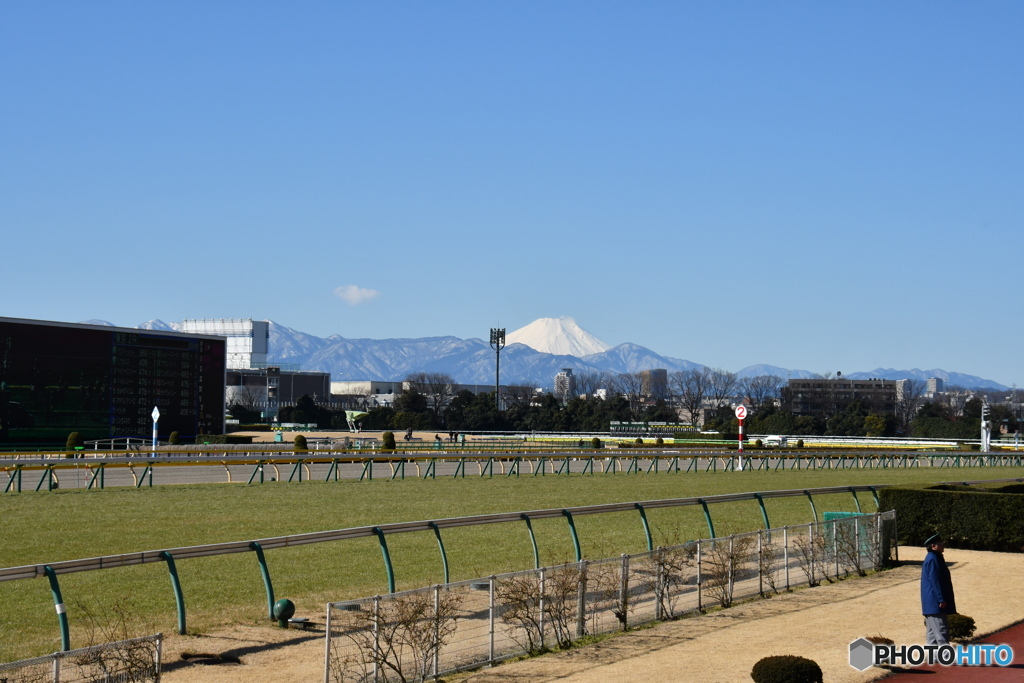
(937, 600)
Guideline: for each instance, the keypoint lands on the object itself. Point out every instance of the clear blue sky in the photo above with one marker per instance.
(826, 186)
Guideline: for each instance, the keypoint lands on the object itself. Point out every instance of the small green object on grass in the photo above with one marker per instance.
(284, 610)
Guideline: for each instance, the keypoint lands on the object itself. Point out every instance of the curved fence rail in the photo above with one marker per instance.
(332, 466)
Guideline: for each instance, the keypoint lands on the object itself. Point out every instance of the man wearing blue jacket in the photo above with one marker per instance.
(937, 600)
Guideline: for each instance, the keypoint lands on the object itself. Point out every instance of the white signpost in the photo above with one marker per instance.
(741, 414)
(156, 418)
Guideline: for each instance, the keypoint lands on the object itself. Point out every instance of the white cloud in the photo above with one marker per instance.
(353, 295)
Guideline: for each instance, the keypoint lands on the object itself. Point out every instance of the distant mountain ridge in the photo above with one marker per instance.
(471, 361)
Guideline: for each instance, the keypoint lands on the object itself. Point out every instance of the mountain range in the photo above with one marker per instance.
(533, 355)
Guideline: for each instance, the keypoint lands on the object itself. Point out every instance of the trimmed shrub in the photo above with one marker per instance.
(786, 669)
(660, 441)
(174, 439)
(639, 441)
(758, 443)
(595, 443)
(968, 517)
(799, 443)
(388, 441)
(300, 442)
(74, 441)
(961, 627)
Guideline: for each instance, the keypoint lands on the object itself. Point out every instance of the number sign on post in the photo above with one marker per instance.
(741, 414)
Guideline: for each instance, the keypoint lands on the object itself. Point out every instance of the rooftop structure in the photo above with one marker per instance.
(248, 340)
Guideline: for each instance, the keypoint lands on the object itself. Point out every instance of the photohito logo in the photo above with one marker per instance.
(865, 654)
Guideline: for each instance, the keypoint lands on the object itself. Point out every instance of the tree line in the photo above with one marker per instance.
(703, 395)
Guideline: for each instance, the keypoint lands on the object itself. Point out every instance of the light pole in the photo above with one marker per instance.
(497, 343)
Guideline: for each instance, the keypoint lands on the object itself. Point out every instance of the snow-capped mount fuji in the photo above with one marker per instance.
(558, 336)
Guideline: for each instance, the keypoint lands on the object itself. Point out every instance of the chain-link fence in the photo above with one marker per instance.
(127, 661)
(424, 633)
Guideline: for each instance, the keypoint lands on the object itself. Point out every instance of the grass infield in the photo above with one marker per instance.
(73, 524)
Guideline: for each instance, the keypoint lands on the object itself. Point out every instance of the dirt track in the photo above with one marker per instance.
(818, 623)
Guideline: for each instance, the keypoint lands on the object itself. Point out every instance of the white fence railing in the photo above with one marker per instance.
(126, 661)
(428, 632)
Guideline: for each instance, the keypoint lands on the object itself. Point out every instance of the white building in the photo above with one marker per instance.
(565, 385)
(248, 339)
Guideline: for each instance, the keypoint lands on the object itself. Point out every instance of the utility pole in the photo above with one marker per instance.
(497, 343)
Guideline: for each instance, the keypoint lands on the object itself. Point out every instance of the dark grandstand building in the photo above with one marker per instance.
(103, 382)
(829, 396)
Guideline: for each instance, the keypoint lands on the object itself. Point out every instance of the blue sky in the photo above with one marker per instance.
(825, 186)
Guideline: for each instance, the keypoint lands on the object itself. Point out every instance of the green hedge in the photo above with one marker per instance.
(967, 517)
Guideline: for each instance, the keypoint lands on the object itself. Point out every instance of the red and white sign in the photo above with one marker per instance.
(741, 412)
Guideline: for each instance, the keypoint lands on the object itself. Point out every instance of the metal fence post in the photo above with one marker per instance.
(327, 646)
(540, 606)
(785, 552)
(856, 543)
(700, 605)
(581, 600)
(814, 545)
(659, 582)
(490, 621)
(624, 592)
(62, 611)
(437, 626)
(159, 643)
(731, 566)
(376, 637)
(760, 566)
(835, 544)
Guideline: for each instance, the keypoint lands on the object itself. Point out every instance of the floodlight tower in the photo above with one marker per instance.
(497, 343)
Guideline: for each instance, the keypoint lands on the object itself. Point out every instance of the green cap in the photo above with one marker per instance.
(934, 538)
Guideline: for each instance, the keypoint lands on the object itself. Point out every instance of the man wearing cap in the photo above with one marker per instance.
(937, 600)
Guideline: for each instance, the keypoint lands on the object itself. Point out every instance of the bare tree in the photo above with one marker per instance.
(722, 386)
(761, 389)
(248, 396)
(629, 385)
(908, 401)
(726, 559)
(587, 383)
(438, 387)
(519, 600)
(811, 554)
(561, 601)
(769, 560)
(519, 394)
(692, 388)
(955, 398)
(125, 657)
(400, 637)
(665, 577)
